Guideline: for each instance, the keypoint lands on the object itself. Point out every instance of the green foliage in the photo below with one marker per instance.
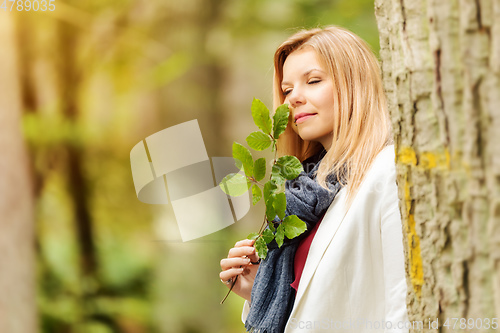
(280, 120)
(261, 247)
(270, 212)
(256, 194)
(279, 205)
(66, 298)
(253, 235)
(283, 168)
(235, 184)
(277, 176)
(289, 167)
(260, 115)
(243, 158)
(268, 236)
(259, 169)
(271, 226)
(293, 226)
(259, 141)
(269, 188)
(280, 235)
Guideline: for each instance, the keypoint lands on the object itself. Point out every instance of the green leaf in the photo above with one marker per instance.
(268, 236)
(276, 175)
(256, 194)
(235, 184)
(260, 114)
(280, 120)
(242, 154)
(279, 205)
(293, 226)
(269, 189)
(271, 226)
(259, 169)
(280, 235)
(259, 141)
(288, 167)
(253, 235)
(270, 212)
(238, 164)
(261, 247)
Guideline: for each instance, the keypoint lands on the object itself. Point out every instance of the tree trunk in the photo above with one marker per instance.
(70, 80)
(441, 70)
(17, 259)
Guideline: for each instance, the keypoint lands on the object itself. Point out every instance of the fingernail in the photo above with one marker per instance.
(247, 260)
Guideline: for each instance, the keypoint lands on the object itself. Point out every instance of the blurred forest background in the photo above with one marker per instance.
(96, 78)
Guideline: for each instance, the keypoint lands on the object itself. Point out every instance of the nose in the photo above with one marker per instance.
(296, 98)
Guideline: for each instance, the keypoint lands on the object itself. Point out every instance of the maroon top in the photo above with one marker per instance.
(301, 255)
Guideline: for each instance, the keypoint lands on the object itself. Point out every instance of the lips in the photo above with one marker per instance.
(301, 117)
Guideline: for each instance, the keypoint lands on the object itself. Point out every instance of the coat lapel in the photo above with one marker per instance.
(326, 231)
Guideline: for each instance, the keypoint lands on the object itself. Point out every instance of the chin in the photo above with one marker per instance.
(307, 135)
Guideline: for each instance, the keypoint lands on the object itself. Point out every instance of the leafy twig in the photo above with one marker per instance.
(283, 168)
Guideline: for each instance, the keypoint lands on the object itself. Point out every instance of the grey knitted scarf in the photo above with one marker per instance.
(272, 295)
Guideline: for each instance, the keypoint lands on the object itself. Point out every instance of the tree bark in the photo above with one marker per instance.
(441, 71)
(17, 259)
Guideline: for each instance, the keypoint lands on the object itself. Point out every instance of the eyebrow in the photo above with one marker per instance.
(305, 74)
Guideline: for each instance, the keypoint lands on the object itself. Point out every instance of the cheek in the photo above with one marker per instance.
(331, 116)
(326, 96)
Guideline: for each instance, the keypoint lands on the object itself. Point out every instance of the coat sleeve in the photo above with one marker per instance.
(393, 257)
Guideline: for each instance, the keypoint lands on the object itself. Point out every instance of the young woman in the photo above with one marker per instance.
(346, 272)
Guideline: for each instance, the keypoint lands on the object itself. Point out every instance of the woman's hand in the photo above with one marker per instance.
(238, 263)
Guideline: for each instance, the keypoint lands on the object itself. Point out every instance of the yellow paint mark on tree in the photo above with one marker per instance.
(407, 156)
(416, 266)
(431, 160)
(426, 160)
(415, 257)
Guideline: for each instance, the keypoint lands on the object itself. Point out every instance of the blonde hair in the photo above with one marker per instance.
(361, 125)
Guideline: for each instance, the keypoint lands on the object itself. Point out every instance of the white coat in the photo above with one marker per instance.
(354, 277)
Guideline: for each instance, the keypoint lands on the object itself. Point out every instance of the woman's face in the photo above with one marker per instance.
(308, 89)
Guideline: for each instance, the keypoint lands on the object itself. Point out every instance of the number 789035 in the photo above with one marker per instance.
(28, 5)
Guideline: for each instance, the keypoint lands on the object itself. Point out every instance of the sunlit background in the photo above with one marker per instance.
(97, 77)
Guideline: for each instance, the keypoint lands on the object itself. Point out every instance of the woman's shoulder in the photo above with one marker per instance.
(387, 155)
(383, 168)
(385, 160)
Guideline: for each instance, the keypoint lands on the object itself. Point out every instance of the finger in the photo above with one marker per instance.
(254, 258)
(244, 242)
(241, 251)
(228, 263)
(230, 273)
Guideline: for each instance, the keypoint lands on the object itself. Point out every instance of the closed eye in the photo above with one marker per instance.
(314, 81)
(286, 92)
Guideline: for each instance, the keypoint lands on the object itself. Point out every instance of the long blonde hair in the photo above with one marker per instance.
(361, 125)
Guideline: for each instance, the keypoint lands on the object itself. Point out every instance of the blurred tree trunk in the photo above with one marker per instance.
(70, 81)
(17, 260)
(441, 70)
